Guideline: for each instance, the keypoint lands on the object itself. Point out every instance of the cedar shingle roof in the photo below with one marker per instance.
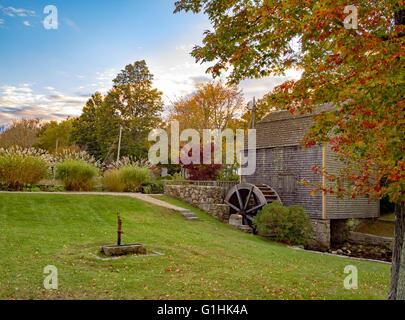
(281, 128)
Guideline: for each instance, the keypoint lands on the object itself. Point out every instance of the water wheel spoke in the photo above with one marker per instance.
(250, 218)
(248, 198)
(239, 199)
(232, 206)
(254, 208)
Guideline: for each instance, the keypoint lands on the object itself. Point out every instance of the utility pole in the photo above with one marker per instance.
(252, 107)
(56, 150)
(119, 145)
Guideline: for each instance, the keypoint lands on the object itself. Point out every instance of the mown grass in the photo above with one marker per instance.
(203, 259)
(378, 228)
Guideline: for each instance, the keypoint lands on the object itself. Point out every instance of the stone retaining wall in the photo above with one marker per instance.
(369, 239)
(206, 198)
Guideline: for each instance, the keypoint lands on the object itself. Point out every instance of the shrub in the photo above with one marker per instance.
(286, 224)
(134, 177)
(156, 187)
(228, 174)
(129, 162)
(113, 181)
(73, 153)
(56, 189)
(21, 167)
(76, 175)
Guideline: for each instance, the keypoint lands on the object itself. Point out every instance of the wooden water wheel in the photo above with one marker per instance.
(247, 199)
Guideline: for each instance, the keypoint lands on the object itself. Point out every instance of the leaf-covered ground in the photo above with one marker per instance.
(203, 259)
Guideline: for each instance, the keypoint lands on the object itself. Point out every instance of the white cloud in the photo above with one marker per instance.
(22, 101)
(176, 74)
(11, 12)
(1, 21)
(27, 23)
(104, 80)
(70, 23)
(259, 87)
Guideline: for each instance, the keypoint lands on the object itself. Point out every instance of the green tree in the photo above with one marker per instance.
(134, 74)
(84, 133)
(133, 104)
(53, 133)
(359, 69)
(137, 106)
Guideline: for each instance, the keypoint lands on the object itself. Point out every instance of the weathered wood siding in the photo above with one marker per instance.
(282, 168)
(347, 208)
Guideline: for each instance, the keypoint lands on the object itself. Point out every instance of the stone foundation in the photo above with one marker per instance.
(218, 211)
(236, 221)
(206, 198)
(321, 234)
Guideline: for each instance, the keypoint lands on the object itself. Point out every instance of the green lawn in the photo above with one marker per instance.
(378, 228)
(203, 259)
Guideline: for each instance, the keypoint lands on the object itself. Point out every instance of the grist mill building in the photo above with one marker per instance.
(281, 163)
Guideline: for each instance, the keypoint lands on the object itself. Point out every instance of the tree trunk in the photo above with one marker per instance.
(397, 253)
(397, 290)
(401, 278)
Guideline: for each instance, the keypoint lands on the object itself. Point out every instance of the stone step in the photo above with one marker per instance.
(192, 218)
(189, 215)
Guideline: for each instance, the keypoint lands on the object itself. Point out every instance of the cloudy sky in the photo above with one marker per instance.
(50, 73)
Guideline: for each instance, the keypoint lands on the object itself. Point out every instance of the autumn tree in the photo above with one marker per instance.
(200, 171)
(214, 105)
(357, 66)
(23, 133)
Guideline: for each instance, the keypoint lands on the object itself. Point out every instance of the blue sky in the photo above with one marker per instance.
(51, 73)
